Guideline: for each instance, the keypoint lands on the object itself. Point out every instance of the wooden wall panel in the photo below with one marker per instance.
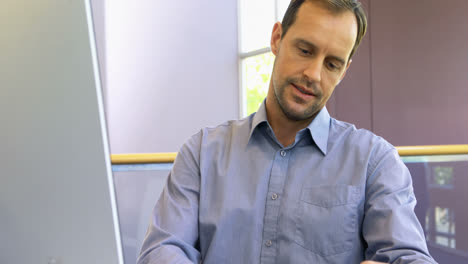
(352, 99)
(419, 71)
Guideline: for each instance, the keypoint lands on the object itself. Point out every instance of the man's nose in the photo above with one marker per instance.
(313, 71)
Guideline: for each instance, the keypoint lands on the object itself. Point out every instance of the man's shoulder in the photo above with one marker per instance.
(229, 126)
(342, 132)
(224, 132)
(227, 129)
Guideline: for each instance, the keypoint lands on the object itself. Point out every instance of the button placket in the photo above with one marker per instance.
(272, 208)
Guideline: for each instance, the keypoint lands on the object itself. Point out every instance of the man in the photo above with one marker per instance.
(289, 184)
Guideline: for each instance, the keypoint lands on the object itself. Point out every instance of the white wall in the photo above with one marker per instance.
(171, 69)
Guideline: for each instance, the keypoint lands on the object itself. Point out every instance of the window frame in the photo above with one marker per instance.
(242, 56)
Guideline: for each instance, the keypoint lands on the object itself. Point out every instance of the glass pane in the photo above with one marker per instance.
(282, 6)
(443, 241)
(440, 184)
(443, 176)
(137, 188)
(439, 208)
(442, 220)
(257, 19)
(256, 79)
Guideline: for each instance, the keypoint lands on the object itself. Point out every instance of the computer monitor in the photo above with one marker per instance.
(57, 200)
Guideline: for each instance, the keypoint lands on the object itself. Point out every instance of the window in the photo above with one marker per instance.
(442, 177)
(441, 217)
(256, 23)
(440, 226)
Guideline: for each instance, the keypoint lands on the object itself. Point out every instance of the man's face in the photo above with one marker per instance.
(311, 59)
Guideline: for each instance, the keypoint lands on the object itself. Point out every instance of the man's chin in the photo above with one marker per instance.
(296, 114)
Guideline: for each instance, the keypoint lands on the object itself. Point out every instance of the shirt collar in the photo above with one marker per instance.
(258, 118)
(318, 128)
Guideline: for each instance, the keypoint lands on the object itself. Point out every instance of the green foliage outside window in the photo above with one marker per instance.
(257, 72)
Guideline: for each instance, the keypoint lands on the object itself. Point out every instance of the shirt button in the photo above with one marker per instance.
(274, 196)
(268, 243)
(283, 153)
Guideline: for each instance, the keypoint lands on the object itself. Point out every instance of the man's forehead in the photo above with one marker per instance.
(310, 8)
(313, 20)
(331, 5)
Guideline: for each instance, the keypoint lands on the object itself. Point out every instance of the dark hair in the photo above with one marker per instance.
(335, 6)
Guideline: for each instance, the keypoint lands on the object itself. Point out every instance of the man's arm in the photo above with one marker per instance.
(390, 227)
(173, 230)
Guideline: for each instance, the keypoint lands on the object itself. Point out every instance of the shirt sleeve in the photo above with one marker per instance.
(172, 234)
(390, 226)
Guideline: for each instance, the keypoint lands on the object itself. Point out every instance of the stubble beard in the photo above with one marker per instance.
(309, 112)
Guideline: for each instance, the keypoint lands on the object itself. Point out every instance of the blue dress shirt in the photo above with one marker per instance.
(236, 195)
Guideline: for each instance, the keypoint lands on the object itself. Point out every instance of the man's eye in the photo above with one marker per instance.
(333, 66)
(304, 51)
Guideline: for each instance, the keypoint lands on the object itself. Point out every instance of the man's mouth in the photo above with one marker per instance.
(302, 90)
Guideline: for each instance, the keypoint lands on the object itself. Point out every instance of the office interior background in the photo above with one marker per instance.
(172, 67)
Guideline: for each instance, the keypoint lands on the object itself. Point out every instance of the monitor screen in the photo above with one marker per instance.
(57, 198)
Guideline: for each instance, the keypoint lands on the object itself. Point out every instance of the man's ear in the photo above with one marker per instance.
(346, 70)
(276, 37)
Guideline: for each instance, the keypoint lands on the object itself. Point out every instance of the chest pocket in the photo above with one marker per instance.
(326, 219)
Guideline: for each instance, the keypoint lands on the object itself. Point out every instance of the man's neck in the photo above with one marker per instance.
(284, 128)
